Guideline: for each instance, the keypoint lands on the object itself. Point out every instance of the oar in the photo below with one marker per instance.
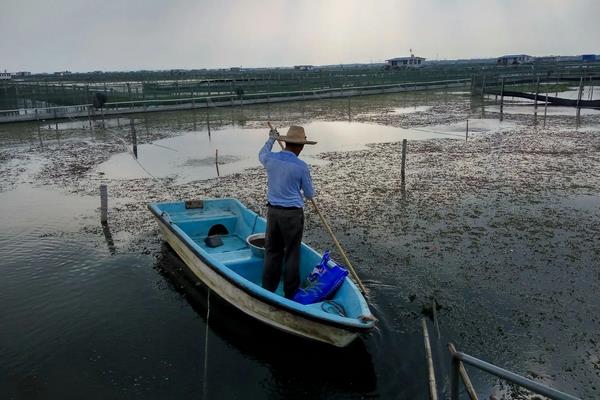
(362, 287)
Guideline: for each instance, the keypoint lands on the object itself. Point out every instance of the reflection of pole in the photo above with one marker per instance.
(109, 239)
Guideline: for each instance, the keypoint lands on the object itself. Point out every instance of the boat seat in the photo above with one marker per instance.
(200, 227)
(199, 215)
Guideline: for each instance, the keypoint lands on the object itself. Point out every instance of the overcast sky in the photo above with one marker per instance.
(86, 35)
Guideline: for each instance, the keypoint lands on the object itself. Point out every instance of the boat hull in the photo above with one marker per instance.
(254, 306)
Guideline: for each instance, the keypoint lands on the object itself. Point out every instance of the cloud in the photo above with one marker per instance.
(152, 34)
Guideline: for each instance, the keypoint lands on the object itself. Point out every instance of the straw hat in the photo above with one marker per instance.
(295, 135)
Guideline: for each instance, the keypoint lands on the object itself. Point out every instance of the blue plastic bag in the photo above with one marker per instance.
(322, 282)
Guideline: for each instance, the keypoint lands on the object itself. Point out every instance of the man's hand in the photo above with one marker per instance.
(273, 134)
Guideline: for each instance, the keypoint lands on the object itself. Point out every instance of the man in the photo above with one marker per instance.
(288, 179)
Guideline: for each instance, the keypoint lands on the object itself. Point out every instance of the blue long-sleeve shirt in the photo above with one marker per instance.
(288, 177)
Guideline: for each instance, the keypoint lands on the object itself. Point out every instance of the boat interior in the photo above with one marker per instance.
(234, 223)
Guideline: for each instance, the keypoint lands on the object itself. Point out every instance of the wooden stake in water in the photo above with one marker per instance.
(103, 204)
(537, 90)
(545, 108)
(430, 370)
(403, 165)
(467, 131)
(579, 99)
(502, 101)
(217, 161)
(90, 120)
(133, 137)
(37, 117)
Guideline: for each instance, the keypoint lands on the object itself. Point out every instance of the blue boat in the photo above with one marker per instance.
(219, 241)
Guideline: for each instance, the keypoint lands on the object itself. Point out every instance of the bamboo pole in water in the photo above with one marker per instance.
(430, 370)
(546, 108)
(403, 165)
(463, 374)
(502, 101)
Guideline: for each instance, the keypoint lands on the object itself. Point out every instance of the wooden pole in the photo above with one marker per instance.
(133, 137)
(463, 374)
(579, 98)
(467, 131)
(430, 370)
(362, 287)
(37, 117)
(403, 164)
(545, 108)
(217, 161)
(90, 119)
(502, 101)
(537, 90)
(103, 204)
(483, 86)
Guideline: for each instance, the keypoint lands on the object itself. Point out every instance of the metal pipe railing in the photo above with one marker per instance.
(538, 388)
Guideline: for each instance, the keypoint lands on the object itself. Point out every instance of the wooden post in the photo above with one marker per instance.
(37, 117)
(502, 101)
(217, 161)
(403, 166)
(483, 86)
(546, 108)
(463, 374)
(579, 98)
(103, 204)
(90, 119)
(537, 90)
(133, 137)
(467, 131)
(430, 370)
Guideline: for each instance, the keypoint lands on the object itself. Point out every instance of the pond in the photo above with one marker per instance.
(110, 312)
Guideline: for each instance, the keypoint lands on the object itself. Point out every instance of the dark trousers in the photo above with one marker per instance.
(282, 249)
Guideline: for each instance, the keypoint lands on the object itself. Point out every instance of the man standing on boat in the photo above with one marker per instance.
(288, 179)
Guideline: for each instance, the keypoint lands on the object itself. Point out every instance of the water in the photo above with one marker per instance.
(191, 156)
(84, 316)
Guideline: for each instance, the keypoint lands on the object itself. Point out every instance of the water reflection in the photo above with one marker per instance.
(299, 368)
(238, 149)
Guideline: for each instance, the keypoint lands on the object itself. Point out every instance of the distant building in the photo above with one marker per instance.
(22, 74)
(5, 76)
(588, 57)
(514, 59)
(546, 60)
(304, 67)
(404, 62)
(62, 73)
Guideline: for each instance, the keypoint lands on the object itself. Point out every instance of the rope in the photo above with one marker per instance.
(205, 381)
(115, 135)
